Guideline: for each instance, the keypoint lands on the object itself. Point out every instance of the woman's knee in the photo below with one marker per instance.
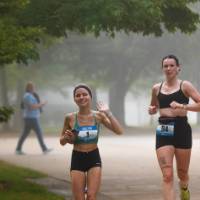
(91, 195)
(168, 176)
(183, 174)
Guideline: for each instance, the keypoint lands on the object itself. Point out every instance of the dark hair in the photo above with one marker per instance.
(171, 57)
(82, 86)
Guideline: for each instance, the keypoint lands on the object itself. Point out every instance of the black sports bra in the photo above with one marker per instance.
(165, 99)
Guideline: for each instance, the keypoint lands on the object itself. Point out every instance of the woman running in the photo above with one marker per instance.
(173, 133)
(81, 129)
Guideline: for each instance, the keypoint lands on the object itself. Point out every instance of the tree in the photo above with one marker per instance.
(59, 18)
(96, 16)
(130, 16)
(17, 44)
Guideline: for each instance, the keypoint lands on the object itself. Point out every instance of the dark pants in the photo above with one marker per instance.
(31, 124)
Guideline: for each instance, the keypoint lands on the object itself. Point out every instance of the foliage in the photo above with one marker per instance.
(5, 113)
(23, 23)
(17, 43)
(96, 16)
(60, 17)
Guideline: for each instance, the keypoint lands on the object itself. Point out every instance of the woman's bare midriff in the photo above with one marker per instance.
(85, 147)
(169, 112)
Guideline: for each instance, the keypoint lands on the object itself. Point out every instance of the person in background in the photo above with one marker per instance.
(173, 133)
(31, 113)
(81, 129)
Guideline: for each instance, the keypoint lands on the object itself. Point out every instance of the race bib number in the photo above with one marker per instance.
(88, 132)
(165, 129)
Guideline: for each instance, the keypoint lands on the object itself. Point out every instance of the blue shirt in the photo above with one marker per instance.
(29, 100)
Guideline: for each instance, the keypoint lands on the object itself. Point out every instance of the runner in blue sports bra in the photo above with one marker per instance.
(86, 134)
(173, 133)
(82, 130)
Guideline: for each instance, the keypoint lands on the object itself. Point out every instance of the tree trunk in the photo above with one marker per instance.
(17, 121)
(4, 90)
(117, 93)
(4, 93)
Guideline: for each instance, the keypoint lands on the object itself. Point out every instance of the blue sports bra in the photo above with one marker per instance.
(165, 99)
(86, 134)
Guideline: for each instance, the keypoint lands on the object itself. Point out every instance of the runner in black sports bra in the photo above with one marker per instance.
(173, 133)
(165, 99)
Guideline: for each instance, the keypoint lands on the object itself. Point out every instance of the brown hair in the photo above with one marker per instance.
(82, 86)
(171, 57)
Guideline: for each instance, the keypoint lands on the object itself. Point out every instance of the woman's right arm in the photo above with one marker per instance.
(66, 134)
(154, 103)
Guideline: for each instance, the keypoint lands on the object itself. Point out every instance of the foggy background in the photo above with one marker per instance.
(119, 65)
(121, 71)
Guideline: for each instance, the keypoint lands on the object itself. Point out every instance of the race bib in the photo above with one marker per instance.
(165, 129)
(88, 133)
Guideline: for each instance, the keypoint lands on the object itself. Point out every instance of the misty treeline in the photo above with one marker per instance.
(115, 54)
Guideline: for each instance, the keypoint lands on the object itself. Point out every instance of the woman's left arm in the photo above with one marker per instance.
(193, 93)
(108, 119)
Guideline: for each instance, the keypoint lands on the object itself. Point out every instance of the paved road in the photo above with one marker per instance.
(130, 169)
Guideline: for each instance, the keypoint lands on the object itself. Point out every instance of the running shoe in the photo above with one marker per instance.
(19, 152)
(46, 151)
(185, 194)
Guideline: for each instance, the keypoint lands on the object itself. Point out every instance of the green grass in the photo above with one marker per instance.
(14, 186)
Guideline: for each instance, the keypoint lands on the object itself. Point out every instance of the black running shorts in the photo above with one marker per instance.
(182, 133)
(83, 161)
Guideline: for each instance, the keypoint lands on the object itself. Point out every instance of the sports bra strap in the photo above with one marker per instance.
(76, 120)
(181, 85)
(162, 84)
(160, 87)
(76, 124)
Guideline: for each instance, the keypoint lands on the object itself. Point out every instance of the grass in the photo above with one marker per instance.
(14, 184)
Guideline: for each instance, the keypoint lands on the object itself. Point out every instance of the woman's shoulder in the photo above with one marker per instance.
(156, 87)
(70, 115)
(185, 84)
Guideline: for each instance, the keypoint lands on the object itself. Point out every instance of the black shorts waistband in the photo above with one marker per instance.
(85, 152)
(172, 119)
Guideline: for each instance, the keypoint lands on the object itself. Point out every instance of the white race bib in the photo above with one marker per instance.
(165, 129)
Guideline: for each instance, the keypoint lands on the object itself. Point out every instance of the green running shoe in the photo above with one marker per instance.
(185, 194)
